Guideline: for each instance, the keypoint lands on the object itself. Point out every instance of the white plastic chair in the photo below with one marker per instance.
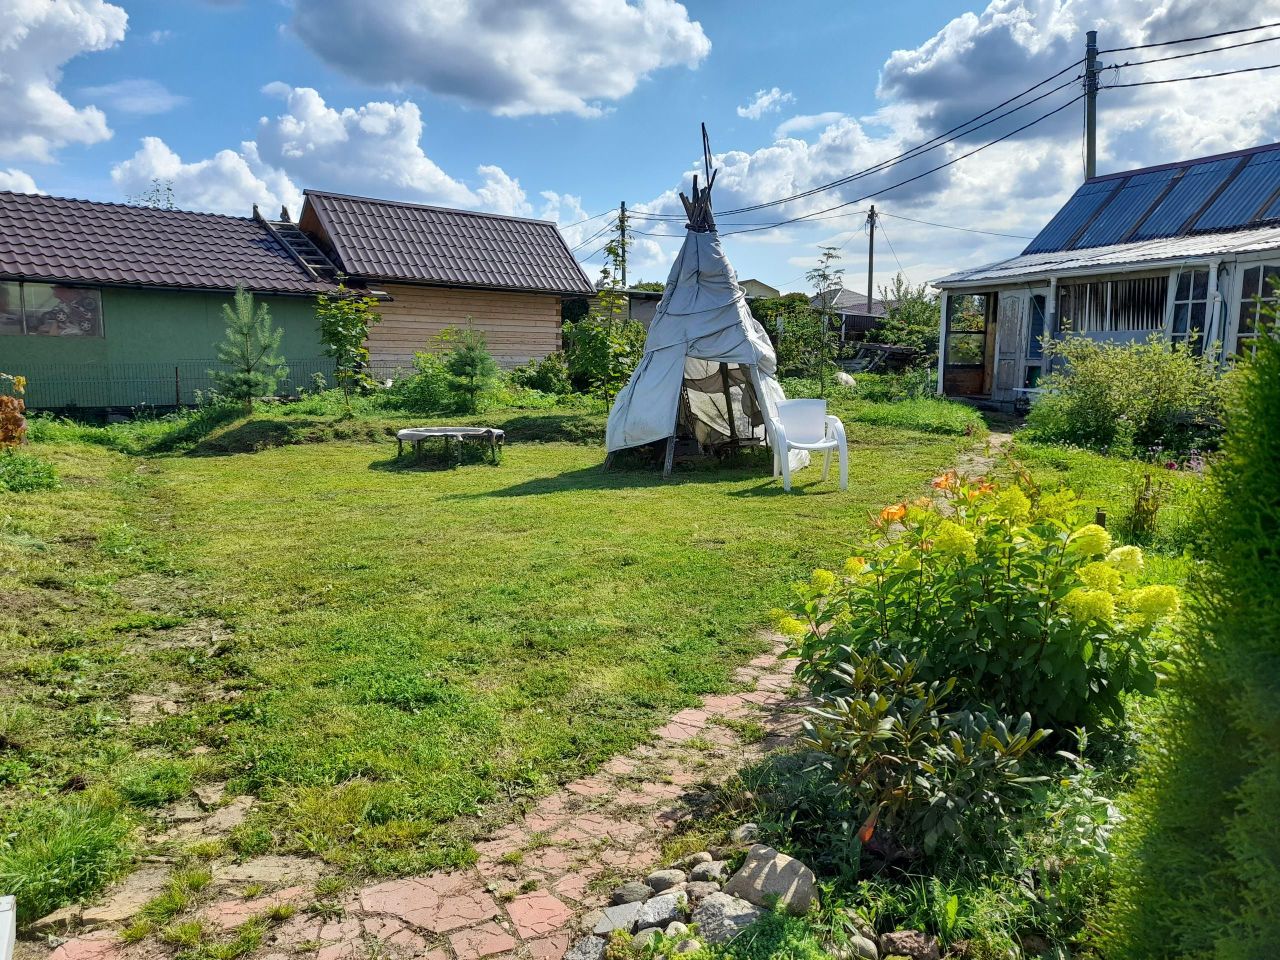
(805, 425)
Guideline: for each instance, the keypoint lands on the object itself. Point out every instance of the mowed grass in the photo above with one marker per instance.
(388, 657)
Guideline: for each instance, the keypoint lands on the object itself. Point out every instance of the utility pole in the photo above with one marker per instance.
(622, 245)
(1091, 105)
(871, 262)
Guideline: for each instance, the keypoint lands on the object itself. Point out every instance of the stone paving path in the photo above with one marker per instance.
(534, 880)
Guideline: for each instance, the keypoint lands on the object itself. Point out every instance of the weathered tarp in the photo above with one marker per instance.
(701, 323)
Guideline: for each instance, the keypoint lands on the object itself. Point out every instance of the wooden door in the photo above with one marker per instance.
(1010, 334)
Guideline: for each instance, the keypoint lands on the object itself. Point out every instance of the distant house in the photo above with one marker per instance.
(1180, 250)
(109, 305)
(758, 289)
(855, 316)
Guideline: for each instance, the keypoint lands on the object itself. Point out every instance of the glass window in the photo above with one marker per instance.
(1190, 308)
(55, 310)
(1259, 290)
(1035, 337)
(10, 308)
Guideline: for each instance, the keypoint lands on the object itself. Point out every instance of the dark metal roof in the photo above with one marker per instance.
(850, 301)
(57, 239)
(1230, 191)
(413, 243)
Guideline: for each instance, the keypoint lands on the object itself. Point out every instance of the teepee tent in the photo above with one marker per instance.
(708, 370)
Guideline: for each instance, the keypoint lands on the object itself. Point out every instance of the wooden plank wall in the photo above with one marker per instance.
(517, 326)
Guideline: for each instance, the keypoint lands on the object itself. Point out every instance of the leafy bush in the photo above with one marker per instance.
(913, 318)
(344, 318)
(1028, 611)
(55, 854)
(908, 385)
(914, 769)
(1127, 398)
(1199, 864)
(548, 375)
(427, 390)
(601, 350)
(22, 473)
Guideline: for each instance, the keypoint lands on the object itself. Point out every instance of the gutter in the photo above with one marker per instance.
(1022, 279)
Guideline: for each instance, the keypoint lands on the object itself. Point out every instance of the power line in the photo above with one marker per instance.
(578, 223)
(599, 233)
(1193, 53)
(885, 233)
(918, 176)
(951, 226)
(940, 140)
(1201, 76)
(1205, 36)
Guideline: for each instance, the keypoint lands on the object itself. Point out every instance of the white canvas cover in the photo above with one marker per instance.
(701, 322)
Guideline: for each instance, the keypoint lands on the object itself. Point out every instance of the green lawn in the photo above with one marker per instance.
(384, 656)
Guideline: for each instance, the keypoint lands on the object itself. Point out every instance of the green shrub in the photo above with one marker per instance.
(548, 375)
(1128, 398)
(601, 350)
(915, 770)
(22, 473)
(427, 390)
(55, 854)
(1199, 864)
(1028, 611)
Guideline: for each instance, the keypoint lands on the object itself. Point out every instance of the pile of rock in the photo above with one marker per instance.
(697, 891)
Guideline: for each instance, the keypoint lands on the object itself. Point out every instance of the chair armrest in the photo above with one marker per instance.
(835, 427)
(779, 432)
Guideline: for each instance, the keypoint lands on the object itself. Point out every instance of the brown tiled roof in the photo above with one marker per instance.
(51, 238)
(387, 240)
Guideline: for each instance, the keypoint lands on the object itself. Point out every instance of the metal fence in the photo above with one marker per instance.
(64, 386)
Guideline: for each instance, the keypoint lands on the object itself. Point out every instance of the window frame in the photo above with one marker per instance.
(26, 331)
(1252, 304)
(1190, 301)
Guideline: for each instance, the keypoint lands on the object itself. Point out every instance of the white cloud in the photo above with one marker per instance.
(17, 181)
(806, 121)
(160, 36)
(375, 150)
(972, 63)
(37, 37)
(137, 95)
(765, 101)
(514, 59)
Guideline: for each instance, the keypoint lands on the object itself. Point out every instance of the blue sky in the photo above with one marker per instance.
(561, 108)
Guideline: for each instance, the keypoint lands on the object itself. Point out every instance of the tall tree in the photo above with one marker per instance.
(826, 278)
(251, 350)
(604, 346)
(911, 319)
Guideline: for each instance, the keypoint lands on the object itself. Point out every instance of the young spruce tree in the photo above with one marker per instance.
(251, 350)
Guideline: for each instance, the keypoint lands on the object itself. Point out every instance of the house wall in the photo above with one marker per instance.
(146, 333)
(517, 326)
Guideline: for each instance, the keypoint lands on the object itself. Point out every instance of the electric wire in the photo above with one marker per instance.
(1200, 76)
(1193, 53)
(918, 176)
(1205, 36)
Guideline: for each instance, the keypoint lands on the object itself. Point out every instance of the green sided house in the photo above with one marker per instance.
(105, 305)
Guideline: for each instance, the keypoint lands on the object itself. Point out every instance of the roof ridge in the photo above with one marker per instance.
(427, 206)
(122, 205)
(1194, 161)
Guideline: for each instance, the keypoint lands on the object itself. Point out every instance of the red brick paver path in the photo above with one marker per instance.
(534, 878)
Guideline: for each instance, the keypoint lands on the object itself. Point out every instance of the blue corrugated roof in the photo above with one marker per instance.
(1223, 192)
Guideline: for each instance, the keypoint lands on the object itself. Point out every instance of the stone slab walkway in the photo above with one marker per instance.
(536, 879)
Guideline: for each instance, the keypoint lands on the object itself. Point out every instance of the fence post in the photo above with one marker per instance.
(177, 387)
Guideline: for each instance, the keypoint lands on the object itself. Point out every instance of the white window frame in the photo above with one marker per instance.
(1174, 302)
(1241, 303)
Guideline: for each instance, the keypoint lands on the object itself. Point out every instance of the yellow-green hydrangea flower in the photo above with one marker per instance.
(1091, 540)
(822, 580)
(1128, 560)
(1083, 605)
(908, 560)
(1012, 504)
(791, 627)
(1155, 602)
(953, 540)
(855, 566)
(1100, 576)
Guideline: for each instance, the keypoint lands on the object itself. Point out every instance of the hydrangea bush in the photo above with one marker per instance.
(1027, 609)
